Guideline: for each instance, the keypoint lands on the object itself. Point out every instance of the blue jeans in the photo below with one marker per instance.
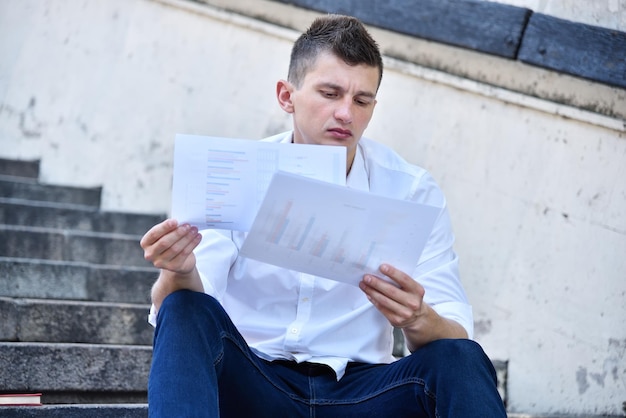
(202, 367)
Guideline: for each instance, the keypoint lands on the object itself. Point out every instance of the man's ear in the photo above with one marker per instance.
(284, 90)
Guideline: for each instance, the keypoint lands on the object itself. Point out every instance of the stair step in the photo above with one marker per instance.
(41, 320)
(141, 411)
(19, 168)
(518, 415)
(70, 216)
(53, 244)
(39, 279)
(77, 411)
(74, 368)
(30, 189)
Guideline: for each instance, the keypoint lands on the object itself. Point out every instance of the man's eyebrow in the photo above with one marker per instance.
(334, 86)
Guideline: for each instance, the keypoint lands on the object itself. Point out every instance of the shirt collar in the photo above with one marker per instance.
(358, 177)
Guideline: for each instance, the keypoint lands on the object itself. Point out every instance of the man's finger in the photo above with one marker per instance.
(186, 237)
(170, 245)
(393, 306)
(156, 232)
(398, 276)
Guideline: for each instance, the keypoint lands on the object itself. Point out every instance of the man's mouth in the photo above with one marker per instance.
(340, 133)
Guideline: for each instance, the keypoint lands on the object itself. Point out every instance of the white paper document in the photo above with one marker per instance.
(336, 232)
(220, 182)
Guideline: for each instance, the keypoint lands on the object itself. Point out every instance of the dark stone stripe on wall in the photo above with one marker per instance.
(574, 48)
(591, 52)
(483, 26)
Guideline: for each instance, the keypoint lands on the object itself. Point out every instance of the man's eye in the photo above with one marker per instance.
(329, 94)
(362, 102)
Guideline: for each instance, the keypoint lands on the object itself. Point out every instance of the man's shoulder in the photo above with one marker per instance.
(391, 175)
(386, 157)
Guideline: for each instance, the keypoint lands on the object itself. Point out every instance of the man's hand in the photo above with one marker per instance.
(401, 301)
(169, 247)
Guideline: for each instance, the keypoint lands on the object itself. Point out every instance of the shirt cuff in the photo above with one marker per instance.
(152, 316)
(458, 312)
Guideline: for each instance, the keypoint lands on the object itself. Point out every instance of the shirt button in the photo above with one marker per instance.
(294, 330)
(305, 299)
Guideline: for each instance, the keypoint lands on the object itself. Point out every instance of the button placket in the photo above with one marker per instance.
(303, 313)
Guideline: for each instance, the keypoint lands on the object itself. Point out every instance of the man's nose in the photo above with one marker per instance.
(343, 112)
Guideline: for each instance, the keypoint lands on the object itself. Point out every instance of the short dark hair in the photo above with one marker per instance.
(343, 36)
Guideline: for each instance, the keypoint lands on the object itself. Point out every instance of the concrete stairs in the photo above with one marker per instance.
(74, 298)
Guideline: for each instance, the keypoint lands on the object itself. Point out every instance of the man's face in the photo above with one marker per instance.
(334, 104)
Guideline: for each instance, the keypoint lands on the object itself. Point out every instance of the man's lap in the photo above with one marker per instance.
(250, 386)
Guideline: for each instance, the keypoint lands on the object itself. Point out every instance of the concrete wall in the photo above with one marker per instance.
(97, 91)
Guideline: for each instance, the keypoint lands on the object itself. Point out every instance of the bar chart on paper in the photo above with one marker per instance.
(304, 236)
(220, 182)
(335, 232)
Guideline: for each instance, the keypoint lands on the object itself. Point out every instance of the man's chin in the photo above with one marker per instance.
(345, 142)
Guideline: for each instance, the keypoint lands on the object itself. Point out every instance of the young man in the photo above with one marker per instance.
(239, 338)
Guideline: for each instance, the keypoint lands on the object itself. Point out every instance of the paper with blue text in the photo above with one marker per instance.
(220, 182)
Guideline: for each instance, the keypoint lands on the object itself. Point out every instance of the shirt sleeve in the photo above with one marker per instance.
(438, 267)
(214, 257)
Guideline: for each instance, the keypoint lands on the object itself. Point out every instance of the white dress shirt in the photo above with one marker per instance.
(285, 314)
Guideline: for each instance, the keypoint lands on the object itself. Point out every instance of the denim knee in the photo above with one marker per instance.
(459, 357)
(464, 349)
(185, 298)
(187, 304)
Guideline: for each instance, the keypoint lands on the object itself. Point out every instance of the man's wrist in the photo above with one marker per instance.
(170, 281)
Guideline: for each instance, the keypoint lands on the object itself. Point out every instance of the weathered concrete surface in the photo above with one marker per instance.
(68, 343)
(77, 411)
(18, 188)
(53, 321)
(40, 367)
(52, 279)
(605, 13)
(25, 169)
(80, 218)
(53, 244)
